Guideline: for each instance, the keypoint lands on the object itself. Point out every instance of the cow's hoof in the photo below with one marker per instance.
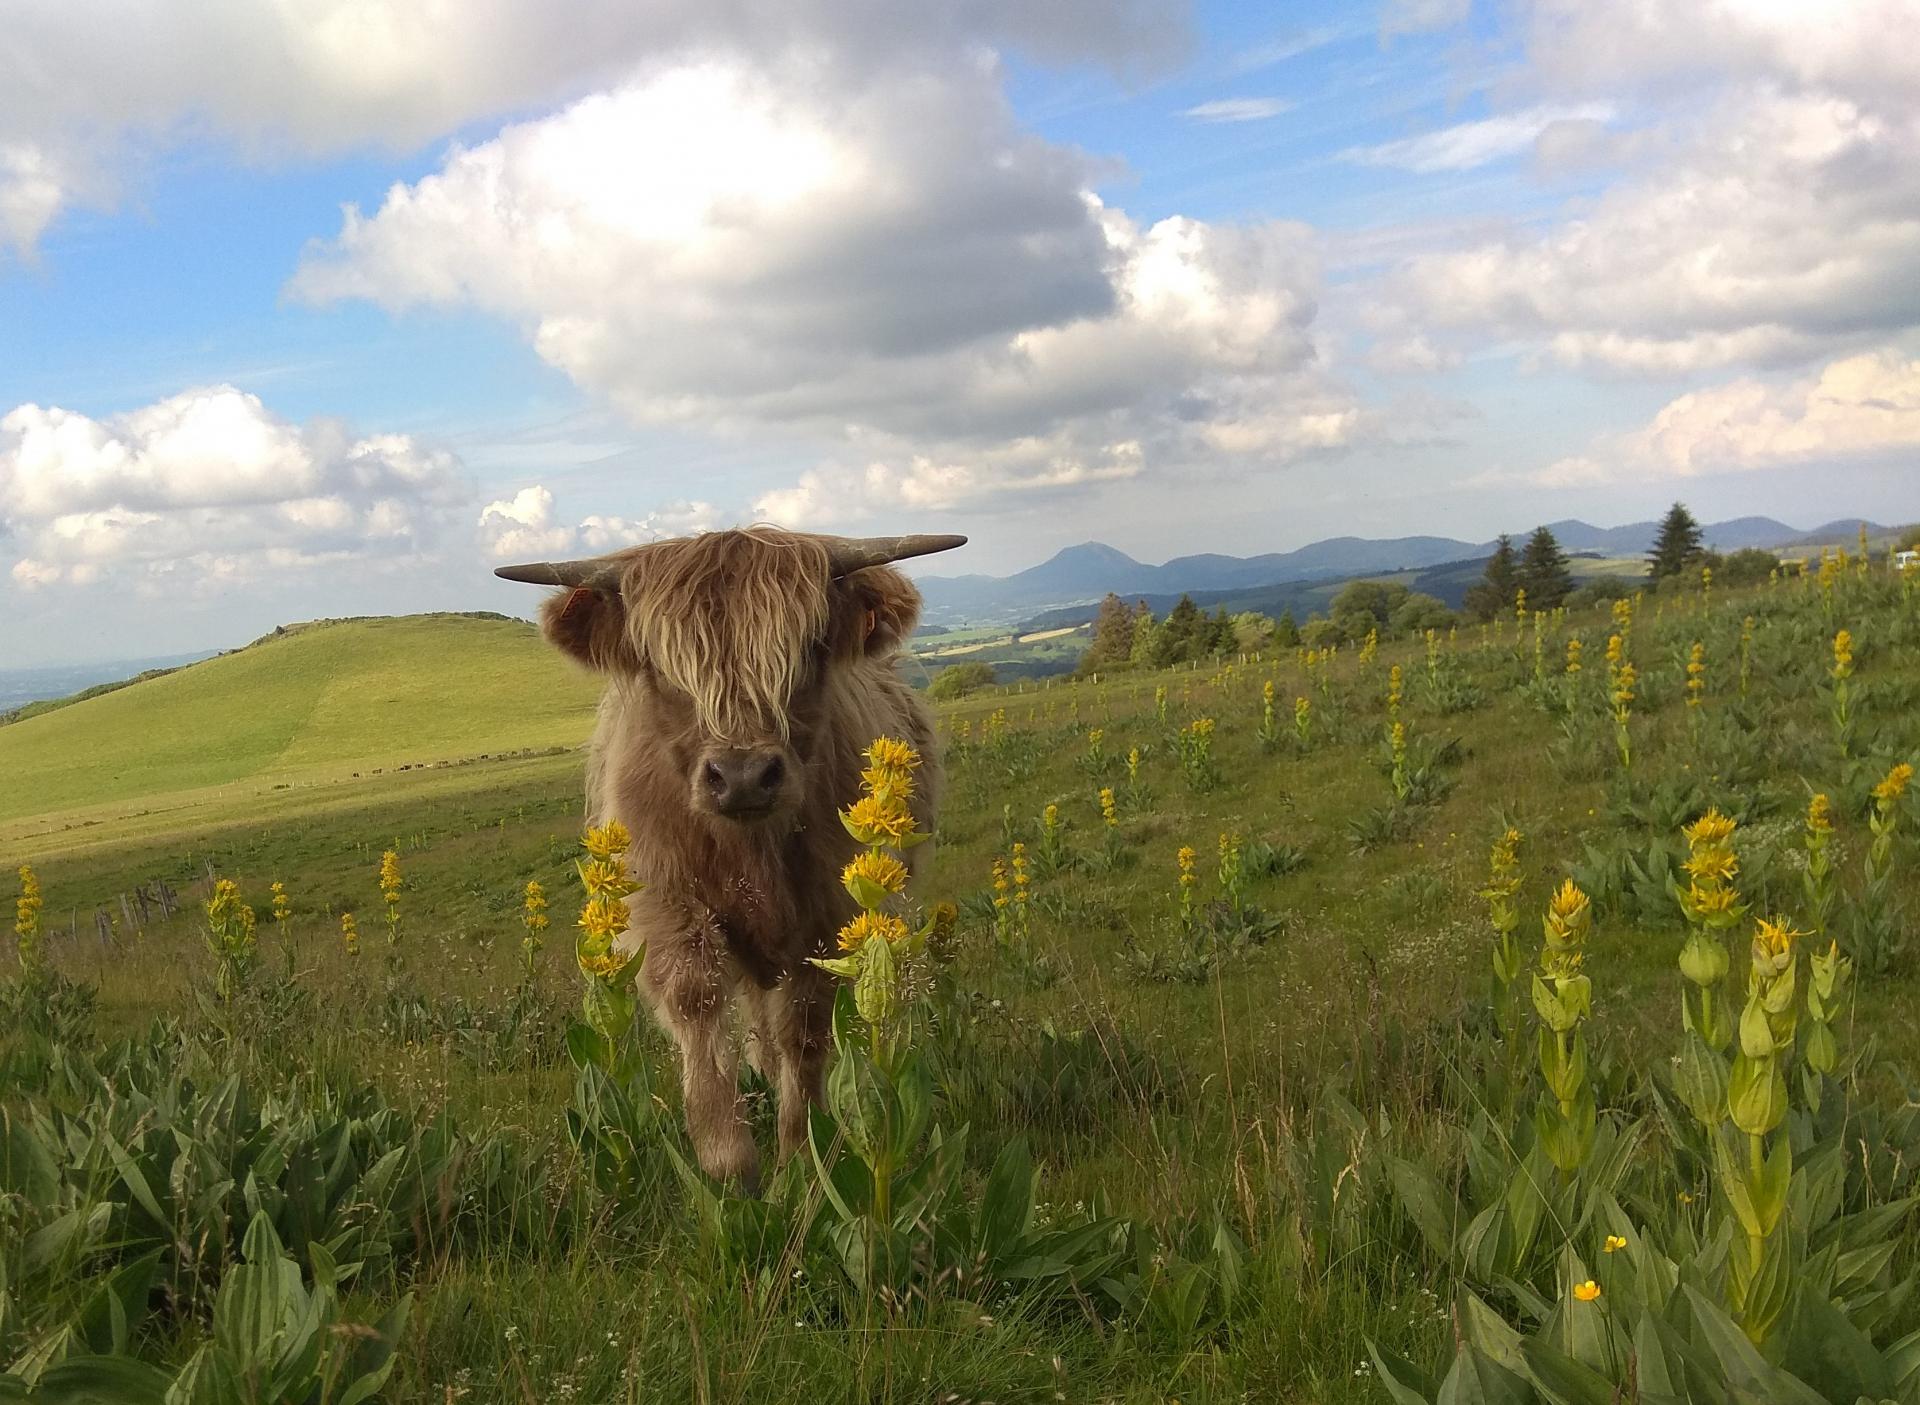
(736, 1164)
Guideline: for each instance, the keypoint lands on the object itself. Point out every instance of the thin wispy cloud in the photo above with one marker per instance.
(1237, 110)
(1292, 46)
(1468, 145)
(1423, 16)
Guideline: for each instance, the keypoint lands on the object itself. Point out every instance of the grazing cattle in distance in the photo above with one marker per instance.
(746, 672)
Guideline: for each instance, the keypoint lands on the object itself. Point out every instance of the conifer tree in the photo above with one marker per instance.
(1112, 645)
(1146, 638)
(1494, 593)
(1222, 638)
(1286, 631)
(1183, 632)
(1543, 571)
(1678, 546)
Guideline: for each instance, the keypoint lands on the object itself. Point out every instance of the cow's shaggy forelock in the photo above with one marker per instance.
(731, 619)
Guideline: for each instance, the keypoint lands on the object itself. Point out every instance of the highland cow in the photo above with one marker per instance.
(746, 672)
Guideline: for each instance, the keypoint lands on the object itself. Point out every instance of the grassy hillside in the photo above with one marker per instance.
(1292, 1085)
(317, 703)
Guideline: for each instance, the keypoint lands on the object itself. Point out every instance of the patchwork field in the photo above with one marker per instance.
(1320, 1121)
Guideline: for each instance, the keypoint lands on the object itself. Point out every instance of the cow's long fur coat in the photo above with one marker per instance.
(742, 639)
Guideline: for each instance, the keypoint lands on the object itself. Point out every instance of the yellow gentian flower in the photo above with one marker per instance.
(868, 925)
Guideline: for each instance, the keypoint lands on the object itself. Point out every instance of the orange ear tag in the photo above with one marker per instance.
(579, 595)
(873, 622)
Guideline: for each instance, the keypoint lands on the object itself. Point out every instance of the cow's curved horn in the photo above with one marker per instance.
(844, 555)
(589, 574)
(849, 554)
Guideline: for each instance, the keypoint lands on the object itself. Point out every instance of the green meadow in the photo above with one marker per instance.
(1325, 1123)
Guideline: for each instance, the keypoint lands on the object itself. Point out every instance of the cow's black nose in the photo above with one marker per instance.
(742, 782)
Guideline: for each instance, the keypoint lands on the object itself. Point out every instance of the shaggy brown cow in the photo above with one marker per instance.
(747, 671)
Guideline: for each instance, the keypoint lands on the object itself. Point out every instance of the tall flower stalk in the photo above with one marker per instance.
(1002, 904)
(1757, 1279)
(1232, 870)
(1022, 899)
(1194, 743)
(1621, 679)
(1053, 852)
(1712, 905)
(1397, 739)
(1269, 732)
(875, 937)
(1696, 688)
(1817, 880)
(1830, 568)
(26, 922)
(1829, 976)
(230, 937)
(390, 885)
(1503, 883)
(878, 954)
(1185, 861)
(1563, 998)
(1885, 821)
(609, 1003)
(1110, 825)
(282, 910)
(1503, 914)
(1623, 622)
(1570, 673)
(1841, 698)
(1879, 935)
(533, 917)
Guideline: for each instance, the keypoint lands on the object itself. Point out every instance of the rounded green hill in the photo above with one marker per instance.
(303, 704)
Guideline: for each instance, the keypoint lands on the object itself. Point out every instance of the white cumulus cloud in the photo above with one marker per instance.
(79, 93)
(1858, 408)
(893, 273)
(1852, 48)
(1788, 228)
(209, 484)
(1764, 210)
(526, 527)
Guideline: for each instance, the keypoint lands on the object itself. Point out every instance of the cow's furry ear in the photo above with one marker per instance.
(589, 625)
(885, 606)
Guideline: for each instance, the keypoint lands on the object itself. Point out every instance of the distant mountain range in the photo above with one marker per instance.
(1087, 572)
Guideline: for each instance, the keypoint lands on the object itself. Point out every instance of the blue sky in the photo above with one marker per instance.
(1227, 278)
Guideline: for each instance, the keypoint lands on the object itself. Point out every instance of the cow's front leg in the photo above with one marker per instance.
(689, 979)
(805, 1033)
